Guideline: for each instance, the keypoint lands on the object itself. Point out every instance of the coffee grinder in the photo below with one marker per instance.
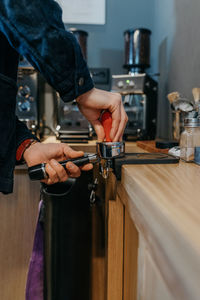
(138, 89)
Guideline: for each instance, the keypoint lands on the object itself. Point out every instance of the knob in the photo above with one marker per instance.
(24, 91)
(120, 84)
(24, 106)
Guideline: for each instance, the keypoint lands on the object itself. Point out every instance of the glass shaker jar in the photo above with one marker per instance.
(190, 138)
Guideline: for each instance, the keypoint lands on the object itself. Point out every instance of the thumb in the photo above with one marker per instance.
(99, 130)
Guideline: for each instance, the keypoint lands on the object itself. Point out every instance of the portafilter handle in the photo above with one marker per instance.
(38, 172)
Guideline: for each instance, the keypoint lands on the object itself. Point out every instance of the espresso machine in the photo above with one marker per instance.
(72, 126)
(138, 89)
(29, 100)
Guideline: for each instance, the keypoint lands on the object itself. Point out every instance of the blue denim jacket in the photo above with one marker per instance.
(34, 29)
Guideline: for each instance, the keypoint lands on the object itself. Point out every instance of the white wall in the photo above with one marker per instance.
(177, 45)
(106, 42)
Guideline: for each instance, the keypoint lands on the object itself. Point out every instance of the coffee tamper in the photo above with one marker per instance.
(108, 150)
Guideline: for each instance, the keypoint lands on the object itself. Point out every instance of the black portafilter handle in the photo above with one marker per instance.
(38, 172)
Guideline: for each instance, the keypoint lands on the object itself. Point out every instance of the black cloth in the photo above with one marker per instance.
(12, 131)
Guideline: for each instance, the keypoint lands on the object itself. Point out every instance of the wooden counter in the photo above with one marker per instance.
(153, 226)
(163, 204)
(18, 217)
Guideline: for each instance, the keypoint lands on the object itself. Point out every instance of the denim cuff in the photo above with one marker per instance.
(23, 133)
(6, 185)
(83, 84)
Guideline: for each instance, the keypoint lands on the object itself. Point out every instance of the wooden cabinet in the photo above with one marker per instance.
(152, 245)
(130, 259)
(161, 221)
(132, 272)
(18, 216)
(151, 284)
(115, 250)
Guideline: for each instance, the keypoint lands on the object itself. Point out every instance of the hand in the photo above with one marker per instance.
(91, 105)
(50, 154)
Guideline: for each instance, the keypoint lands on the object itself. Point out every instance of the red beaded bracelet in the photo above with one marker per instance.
(22, 147)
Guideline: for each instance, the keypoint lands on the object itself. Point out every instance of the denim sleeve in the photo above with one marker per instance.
(23, 133)
(35, 29)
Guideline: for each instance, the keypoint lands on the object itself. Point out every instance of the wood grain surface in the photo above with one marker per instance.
(130, 259)
(115, 250)
(91, 145)
(150, 146)
(18, 215)
(164, 203)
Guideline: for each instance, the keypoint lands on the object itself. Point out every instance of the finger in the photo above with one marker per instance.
(115, 124)
(70, 153)
(99, 130)
(87, 167)
(116, 119)
(48, 181)
(59, 169)
(53, 177)
(122, 125)
(125, 123)
(44, 181)
(73, 170)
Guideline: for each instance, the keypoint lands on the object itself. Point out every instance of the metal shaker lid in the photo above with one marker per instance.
(192, 122)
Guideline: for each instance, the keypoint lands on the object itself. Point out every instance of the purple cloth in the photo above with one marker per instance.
(35, 280)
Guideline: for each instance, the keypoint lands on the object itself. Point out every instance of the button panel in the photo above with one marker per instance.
(128, 83)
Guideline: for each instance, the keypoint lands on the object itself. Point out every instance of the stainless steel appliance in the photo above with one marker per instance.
(138, 89)
(137, 49)
(139, 94)
(72, 125)
(29, 102)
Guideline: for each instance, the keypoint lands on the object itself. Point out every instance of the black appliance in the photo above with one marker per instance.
(75, 215)
(138, 89)
(75, 236)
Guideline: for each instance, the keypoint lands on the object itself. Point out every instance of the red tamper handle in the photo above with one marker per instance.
(106, 121)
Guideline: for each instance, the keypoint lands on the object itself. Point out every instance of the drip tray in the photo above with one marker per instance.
(142, 158)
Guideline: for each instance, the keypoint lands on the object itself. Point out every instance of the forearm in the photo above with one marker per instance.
(35, 29)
